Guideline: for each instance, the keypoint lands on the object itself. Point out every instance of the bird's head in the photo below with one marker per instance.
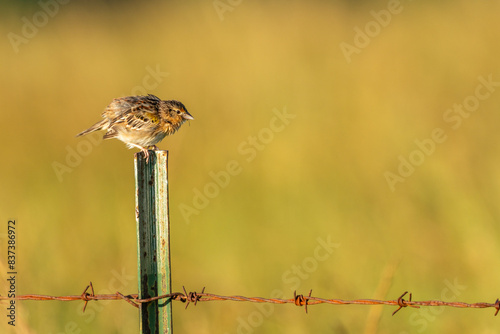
(176, 112)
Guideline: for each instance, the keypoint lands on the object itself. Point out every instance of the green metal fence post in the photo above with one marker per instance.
(153, 240)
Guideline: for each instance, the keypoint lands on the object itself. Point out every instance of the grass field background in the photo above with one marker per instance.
(313, 178)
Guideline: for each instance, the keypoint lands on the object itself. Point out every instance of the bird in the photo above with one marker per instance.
(141, 121)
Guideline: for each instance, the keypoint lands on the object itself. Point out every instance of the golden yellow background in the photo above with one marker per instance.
(322, 175)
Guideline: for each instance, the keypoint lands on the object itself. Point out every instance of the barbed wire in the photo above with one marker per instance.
(299, 300)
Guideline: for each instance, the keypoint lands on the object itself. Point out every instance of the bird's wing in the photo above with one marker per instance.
(134, 111)
(122, 105)
(141, 118)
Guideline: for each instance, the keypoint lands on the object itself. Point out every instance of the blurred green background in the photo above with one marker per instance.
(365, 85)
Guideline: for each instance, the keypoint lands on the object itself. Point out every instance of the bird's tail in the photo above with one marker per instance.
(98, 126)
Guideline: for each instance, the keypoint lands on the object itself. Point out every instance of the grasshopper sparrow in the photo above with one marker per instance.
(141, 121)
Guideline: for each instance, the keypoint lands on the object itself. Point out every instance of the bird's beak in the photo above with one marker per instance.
(187, 116)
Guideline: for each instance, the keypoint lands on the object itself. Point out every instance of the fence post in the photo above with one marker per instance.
(153, 240)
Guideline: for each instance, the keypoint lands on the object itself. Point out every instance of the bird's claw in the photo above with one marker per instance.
(146, 154)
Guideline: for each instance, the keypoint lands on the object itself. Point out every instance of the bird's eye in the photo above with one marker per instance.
(178, 112)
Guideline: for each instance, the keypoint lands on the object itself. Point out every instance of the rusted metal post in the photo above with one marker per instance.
(153, 240)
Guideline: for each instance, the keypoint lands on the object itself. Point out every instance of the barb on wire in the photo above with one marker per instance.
(191, 297)
(402, 303)
(85, 295)
(298, 299)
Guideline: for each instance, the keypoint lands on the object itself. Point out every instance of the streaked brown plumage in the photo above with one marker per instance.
(141, 121)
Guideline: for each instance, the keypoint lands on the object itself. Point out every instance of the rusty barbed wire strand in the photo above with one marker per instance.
(299, 300)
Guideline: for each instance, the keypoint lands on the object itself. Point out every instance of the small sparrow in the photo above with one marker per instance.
(141, 121)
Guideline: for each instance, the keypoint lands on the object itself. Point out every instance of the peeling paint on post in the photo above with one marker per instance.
(153, 240)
